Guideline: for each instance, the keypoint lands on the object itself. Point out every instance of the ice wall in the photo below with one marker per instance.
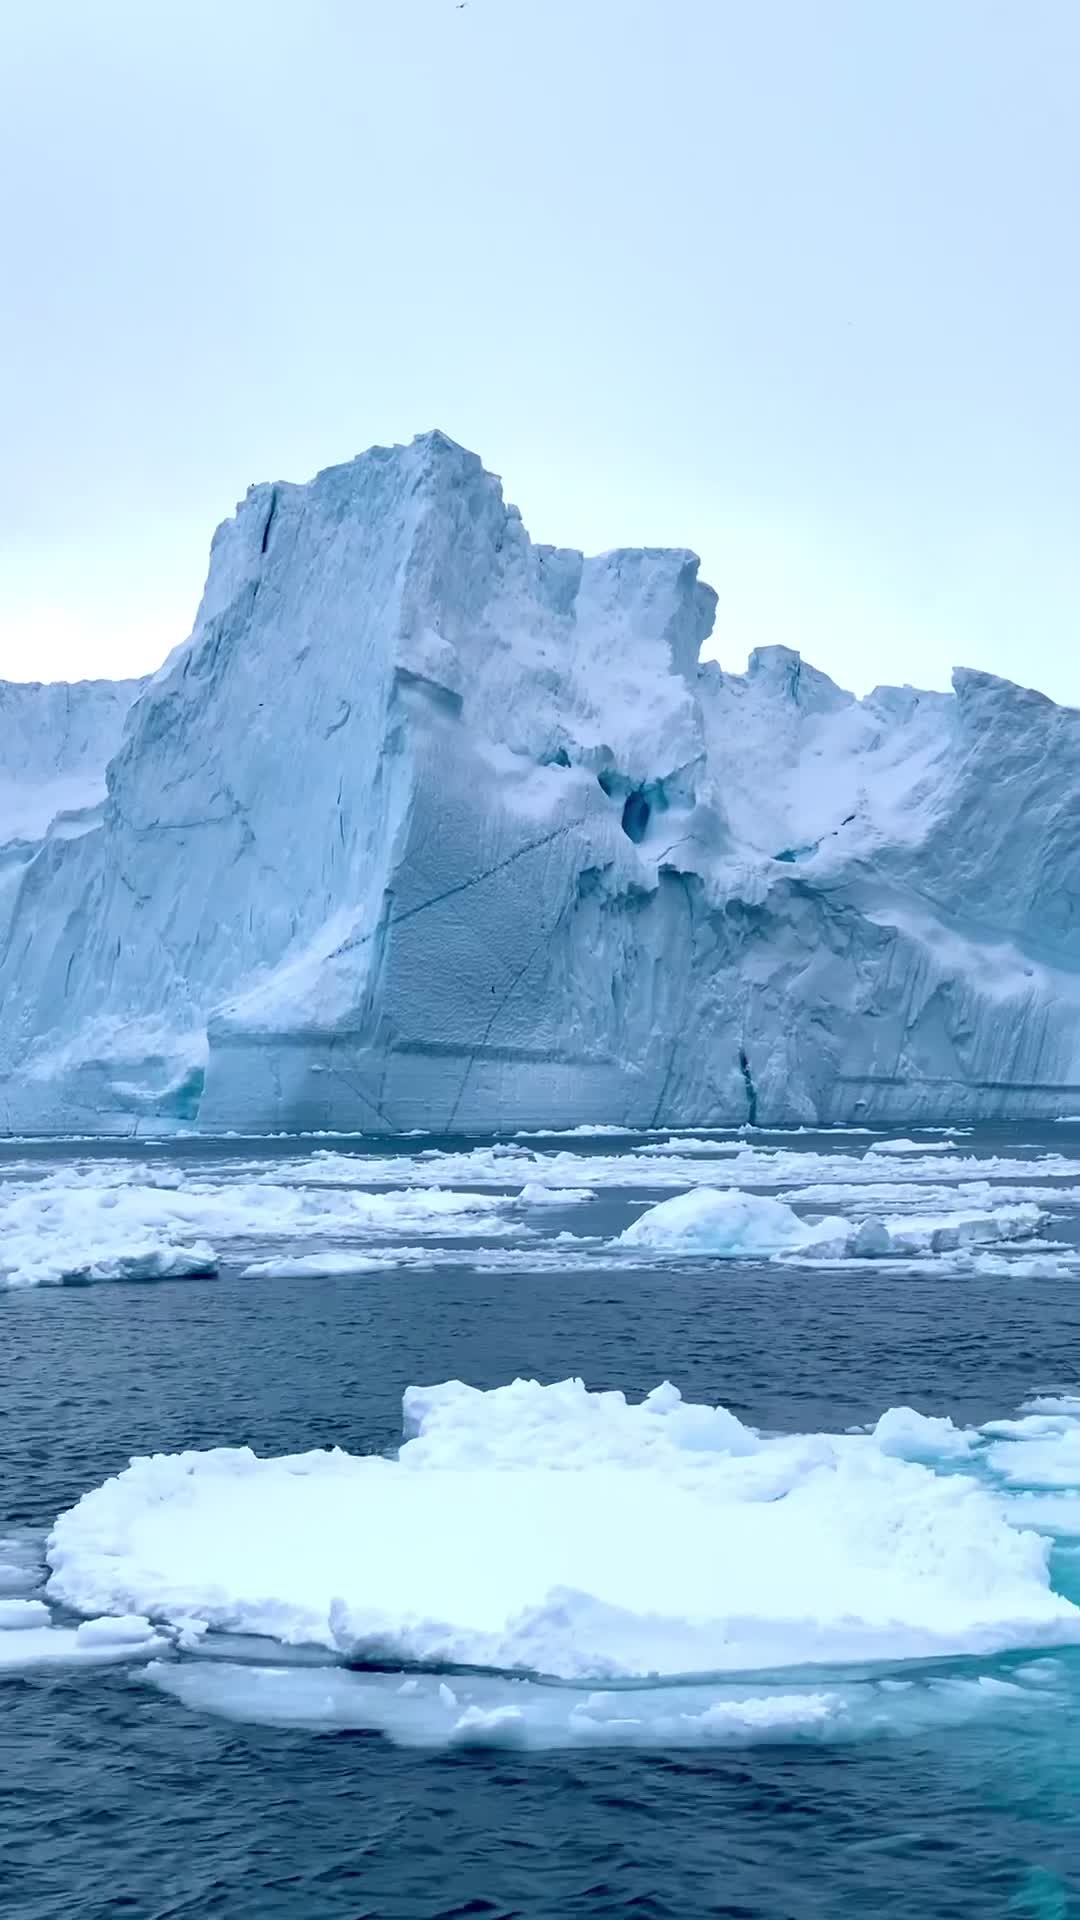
(55, 744)
(427, 825)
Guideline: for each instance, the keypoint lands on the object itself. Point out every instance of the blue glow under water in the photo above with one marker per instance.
(117, 1800)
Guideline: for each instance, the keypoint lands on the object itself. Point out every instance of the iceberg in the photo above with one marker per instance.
(431, 826)
(55, 744)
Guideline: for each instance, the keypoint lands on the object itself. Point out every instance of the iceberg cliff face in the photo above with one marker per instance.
(427, 825)
(55, 744)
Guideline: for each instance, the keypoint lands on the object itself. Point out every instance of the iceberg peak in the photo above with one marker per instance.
(429, 824)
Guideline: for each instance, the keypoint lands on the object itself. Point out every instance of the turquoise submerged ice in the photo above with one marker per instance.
(427, 825)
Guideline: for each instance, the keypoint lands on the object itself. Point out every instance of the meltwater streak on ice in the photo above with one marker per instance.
(549, 871)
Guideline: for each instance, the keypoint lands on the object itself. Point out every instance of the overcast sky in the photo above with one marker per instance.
(793, 282)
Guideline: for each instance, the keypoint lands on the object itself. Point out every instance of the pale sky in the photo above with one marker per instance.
(793, 282)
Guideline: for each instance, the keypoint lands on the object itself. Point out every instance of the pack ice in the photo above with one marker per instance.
(428, 825)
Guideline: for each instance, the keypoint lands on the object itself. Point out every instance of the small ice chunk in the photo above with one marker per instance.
(23, 1613)
(490, 1726)
(535, 1194)
(908, 1435)
(911, 1146)
(872, 1241)
(111, 1630)
(23, 1648)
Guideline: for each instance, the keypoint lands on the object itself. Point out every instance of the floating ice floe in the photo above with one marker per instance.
(661, 1164)
(95, 1643)
(587, 1131)
(728, 1224)
(732, 1225)
(535, 1194)
(945, 1145)
(333, 1261)
(1044, 1455)
(23, 1613)
(118, 1223)
(551, 1531)
(921, 1436)
(30, 1637)
(499, 1560)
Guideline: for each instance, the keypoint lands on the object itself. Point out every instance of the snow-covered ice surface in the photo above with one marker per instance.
(487, 1585)
(549, 871)
(379, 1559)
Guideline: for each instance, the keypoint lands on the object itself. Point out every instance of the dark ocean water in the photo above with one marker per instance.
(117, 1800)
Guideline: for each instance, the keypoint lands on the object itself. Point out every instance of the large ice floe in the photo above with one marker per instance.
(429, 825)
(541, 1564)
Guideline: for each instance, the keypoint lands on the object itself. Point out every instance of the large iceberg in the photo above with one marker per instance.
(430, 826)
